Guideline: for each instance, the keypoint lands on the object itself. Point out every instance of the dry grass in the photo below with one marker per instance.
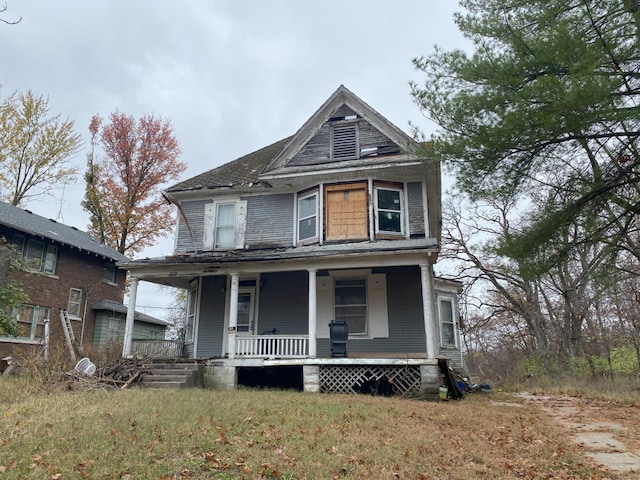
(255, 434)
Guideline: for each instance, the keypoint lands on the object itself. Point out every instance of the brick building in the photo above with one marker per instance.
(65, 269)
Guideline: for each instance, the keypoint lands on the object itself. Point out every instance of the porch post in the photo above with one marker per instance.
(233, 314)
(313, 317)
(429, 309)
(131, 311)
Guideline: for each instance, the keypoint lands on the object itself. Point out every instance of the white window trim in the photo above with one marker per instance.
(402, 211)
(377, 310)
(453, 322)
(314, 239)
(32, 338)
(79, 302)
(210, 224)
(190, 320)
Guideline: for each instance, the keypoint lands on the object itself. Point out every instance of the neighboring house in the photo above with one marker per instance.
(65, 269)
(340, 221)
(111, 321)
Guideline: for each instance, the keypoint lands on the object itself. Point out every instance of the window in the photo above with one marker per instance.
(346, 211)
(388, 211)
(447, 324)
(308, 217)
(115, 329)
(38, 256)
(31, 320)
(351, 304)
(224, 225)
(191, 315)
(75, 302)
(109, 273)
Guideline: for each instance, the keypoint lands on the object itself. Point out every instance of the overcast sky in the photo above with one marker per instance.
(231, 76)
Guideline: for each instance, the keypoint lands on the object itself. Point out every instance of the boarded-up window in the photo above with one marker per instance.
(346, 212)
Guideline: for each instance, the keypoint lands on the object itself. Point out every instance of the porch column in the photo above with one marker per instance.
(429, 309)
(233, 314)
(131, 311)
(313, 317)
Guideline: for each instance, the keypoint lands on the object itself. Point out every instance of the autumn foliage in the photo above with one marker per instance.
(129, 163)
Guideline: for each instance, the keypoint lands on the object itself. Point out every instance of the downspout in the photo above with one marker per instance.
(84, 315)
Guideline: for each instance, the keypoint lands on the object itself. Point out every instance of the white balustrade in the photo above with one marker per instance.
(272, 346)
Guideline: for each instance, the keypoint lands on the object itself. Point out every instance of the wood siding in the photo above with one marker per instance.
(318, 149)
(194, 212)
(270, 221)
(416, 209)
(210, 326)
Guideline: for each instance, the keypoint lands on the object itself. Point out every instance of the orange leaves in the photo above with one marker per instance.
(123, 190)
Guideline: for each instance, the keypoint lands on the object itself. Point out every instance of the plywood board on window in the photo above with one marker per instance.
(346, 212)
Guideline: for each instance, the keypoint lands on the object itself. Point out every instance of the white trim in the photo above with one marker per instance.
(451, 300)
(405, 213)
(402, 211)
(371, 210)
(314, 239)
(210, 227)
(425, 210)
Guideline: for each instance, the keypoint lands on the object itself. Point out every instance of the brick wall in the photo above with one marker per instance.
(75, 269)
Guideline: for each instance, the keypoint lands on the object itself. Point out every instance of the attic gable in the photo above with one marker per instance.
(343, 129)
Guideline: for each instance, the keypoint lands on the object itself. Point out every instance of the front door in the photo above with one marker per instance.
(246, 318)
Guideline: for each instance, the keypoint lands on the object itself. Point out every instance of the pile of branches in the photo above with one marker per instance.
(122, 374)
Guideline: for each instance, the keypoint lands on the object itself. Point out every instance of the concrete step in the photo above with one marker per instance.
(173, 375)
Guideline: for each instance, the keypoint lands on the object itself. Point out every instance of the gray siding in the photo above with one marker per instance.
(141, 330)
(194, 212)
(269, 221)
(211, 319)
(284, 303)
(406, 325)
(416, 209)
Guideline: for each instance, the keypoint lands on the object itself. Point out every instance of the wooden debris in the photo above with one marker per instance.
(122, 374)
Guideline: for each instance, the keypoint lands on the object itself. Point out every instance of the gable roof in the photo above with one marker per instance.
(342, 96)
(113, 306)
(30, 223)
(255, 169)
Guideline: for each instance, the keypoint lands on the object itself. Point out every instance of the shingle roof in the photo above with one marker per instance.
(243, 171)
(28, 222)
(118, 307)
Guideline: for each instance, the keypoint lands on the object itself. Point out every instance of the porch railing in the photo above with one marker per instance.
(272, 346)
(158, 348)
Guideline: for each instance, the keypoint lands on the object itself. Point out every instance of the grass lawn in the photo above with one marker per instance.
(258, 434)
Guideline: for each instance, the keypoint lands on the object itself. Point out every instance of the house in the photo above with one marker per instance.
(339, 222)
(65, 270)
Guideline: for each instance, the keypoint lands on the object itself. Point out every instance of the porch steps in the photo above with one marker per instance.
(174, 375)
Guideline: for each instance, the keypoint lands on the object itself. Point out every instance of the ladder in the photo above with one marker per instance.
(68, 332)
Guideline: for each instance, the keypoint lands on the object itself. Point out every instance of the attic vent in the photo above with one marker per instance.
(344, 142)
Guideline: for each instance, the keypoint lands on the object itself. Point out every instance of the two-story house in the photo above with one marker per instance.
(65, 270)
(338, 223)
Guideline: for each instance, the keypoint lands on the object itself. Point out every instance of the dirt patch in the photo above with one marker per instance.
(607, 431)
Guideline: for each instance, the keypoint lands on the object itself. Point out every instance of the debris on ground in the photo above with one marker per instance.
(122, 374)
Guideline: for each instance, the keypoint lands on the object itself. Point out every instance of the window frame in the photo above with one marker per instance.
(400, 212)
(217, 227)
(71, 302)
(316, 236)
(47, 262)
(190, 320)
(109, 268)
(211, 226)
(36, 316)
(452, 322)
(364, 285)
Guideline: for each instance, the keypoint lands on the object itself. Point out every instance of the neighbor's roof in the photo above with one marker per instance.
(30, 223)
(113, 306)
(243, 171)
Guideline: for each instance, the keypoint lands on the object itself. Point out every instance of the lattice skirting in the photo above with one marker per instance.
(373, 379)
